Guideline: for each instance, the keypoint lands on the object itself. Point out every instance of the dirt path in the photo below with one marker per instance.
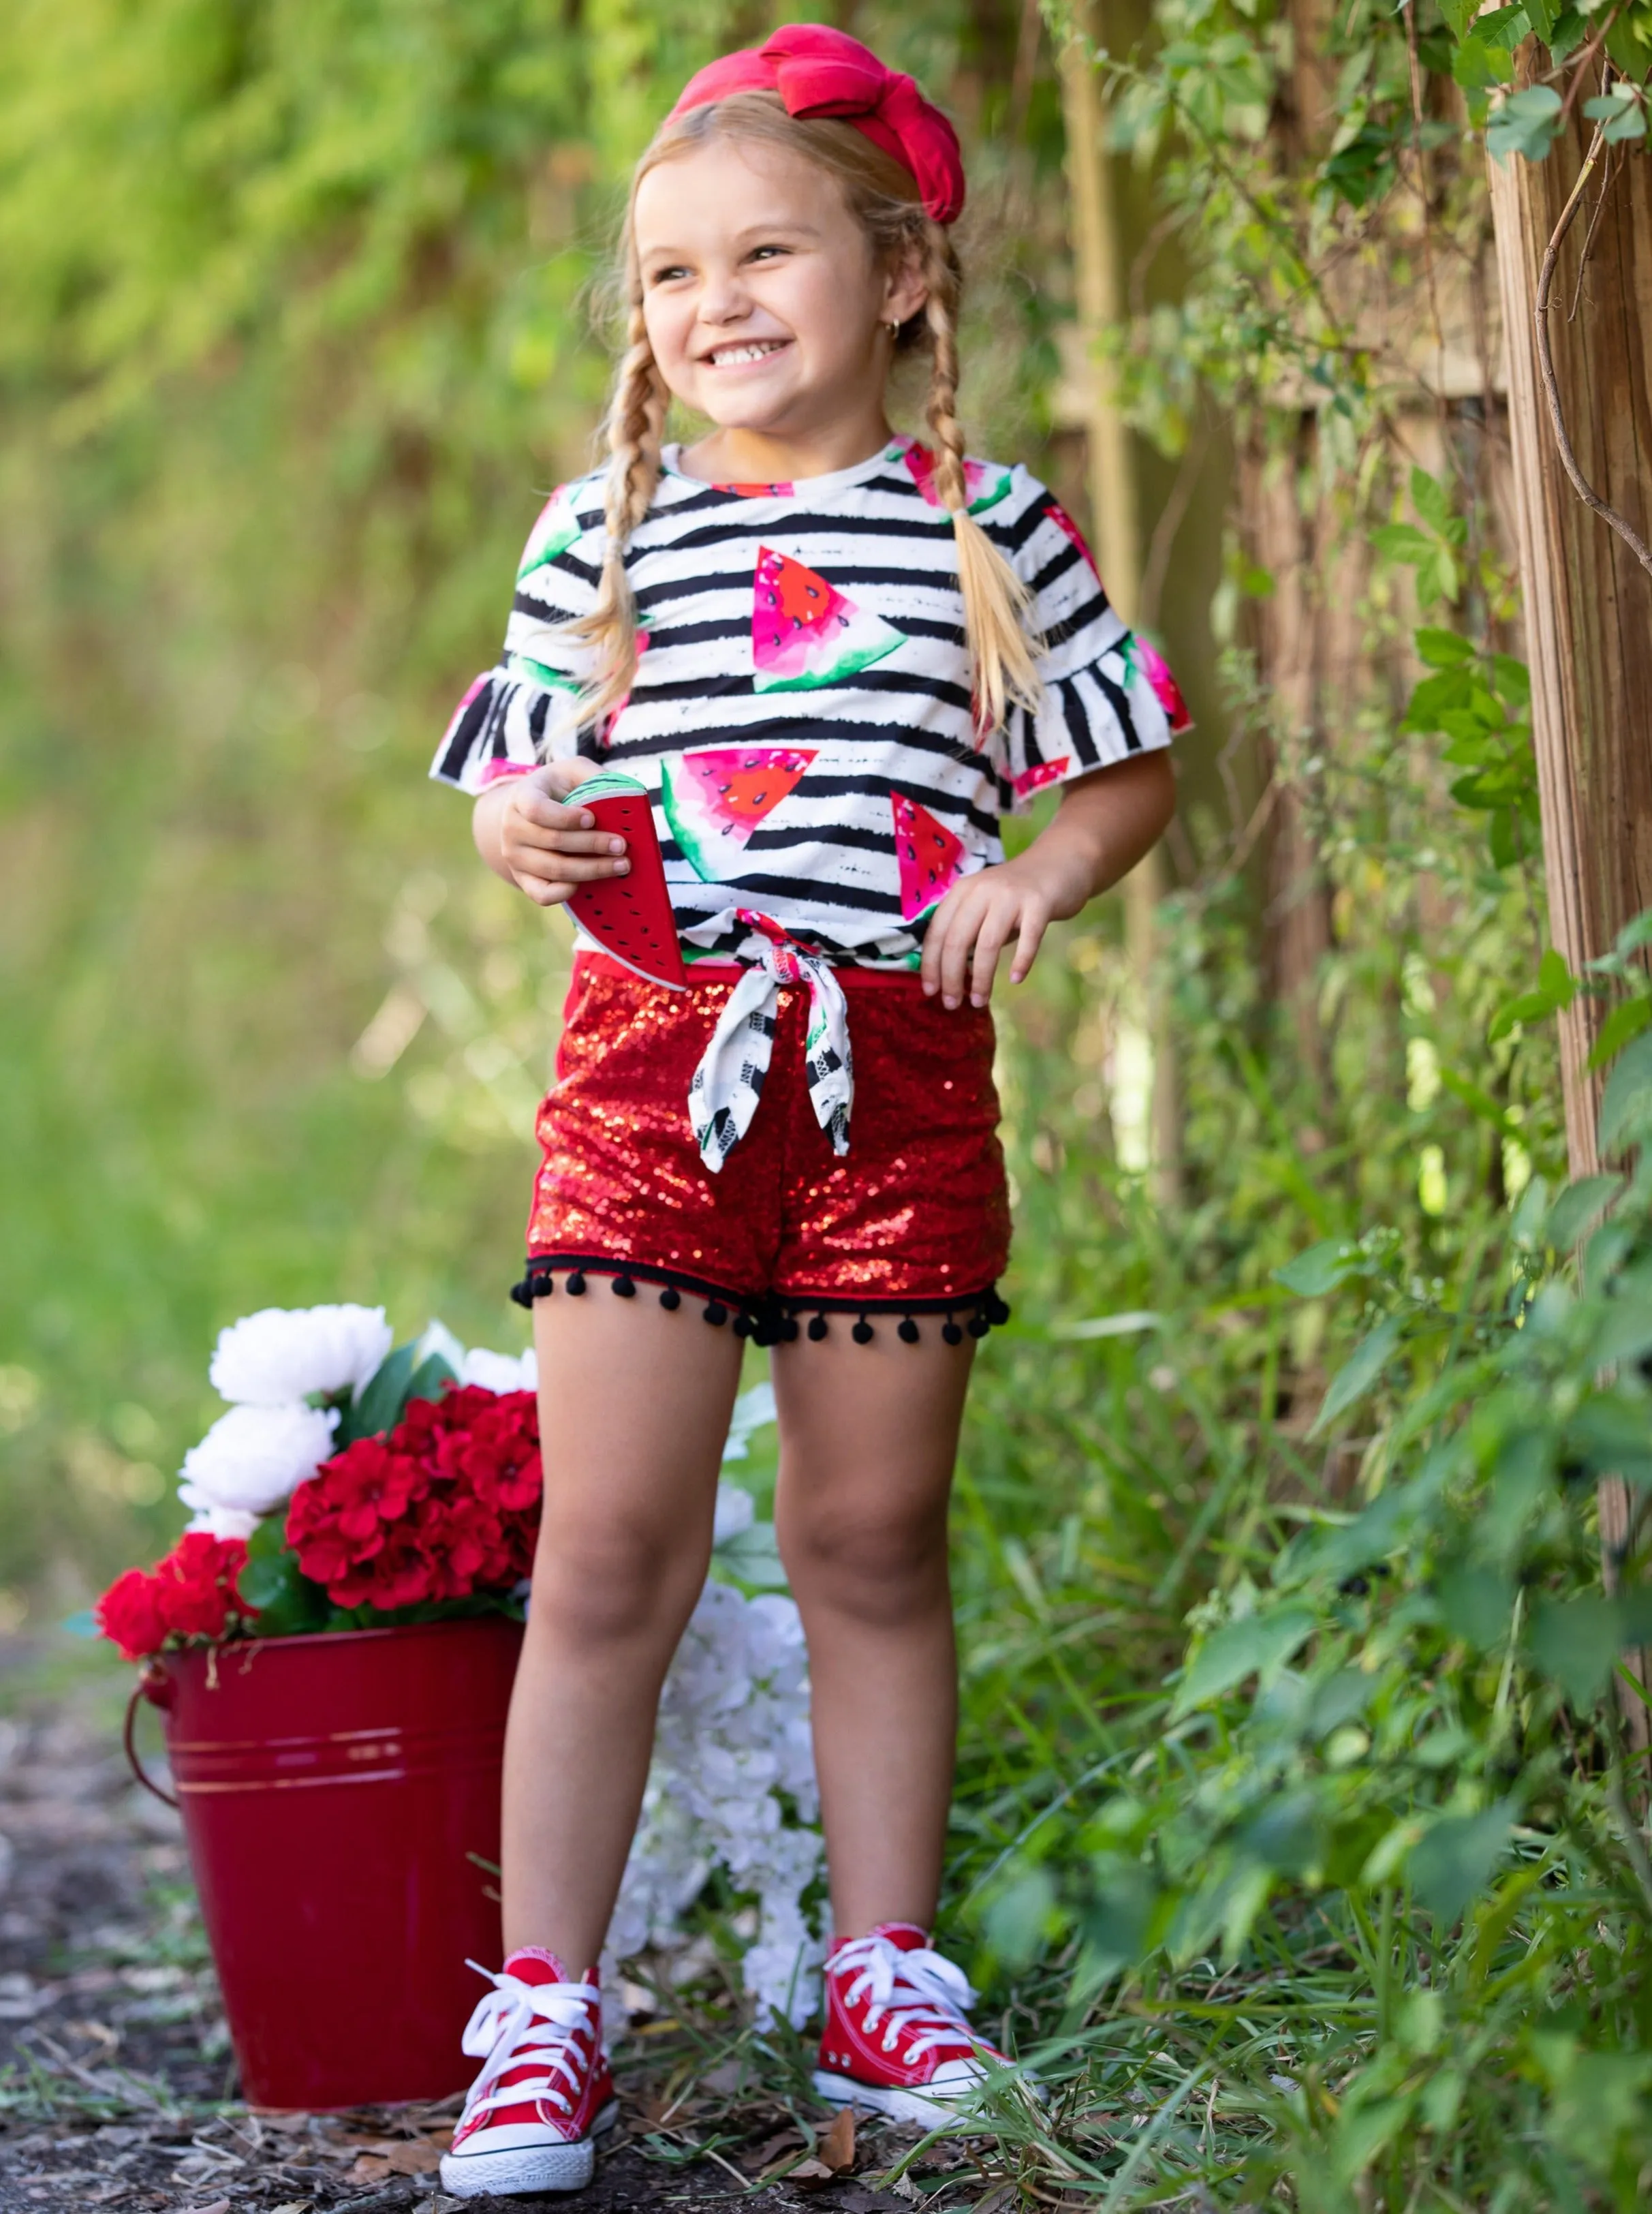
(117, 2082)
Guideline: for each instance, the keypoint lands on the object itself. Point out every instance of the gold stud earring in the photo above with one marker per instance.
(893, 329)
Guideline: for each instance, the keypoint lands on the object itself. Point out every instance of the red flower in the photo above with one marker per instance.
(129, 1613)
(445, 1507)
(191, 1593)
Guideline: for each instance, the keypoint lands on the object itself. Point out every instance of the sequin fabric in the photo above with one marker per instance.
(917, 1211)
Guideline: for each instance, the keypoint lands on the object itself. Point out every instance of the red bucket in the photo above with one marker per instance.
(337, 1793)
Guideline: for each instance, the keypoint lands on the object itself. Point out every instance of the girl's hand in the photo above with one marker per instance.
(1106, 821)
(977, 919)
(529, 833)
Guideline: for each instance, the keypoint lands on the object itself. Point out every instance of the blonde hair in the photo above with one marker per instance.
(883, 198)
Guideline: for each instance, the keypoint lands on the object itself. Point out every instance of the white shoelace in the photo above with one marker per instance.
(518, 2023)
(921, 1995)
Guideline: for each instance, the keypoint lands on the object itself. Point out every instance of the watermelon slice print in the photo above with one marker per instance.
(805, 633)
(714, 799)
(1064, 523)
(1142, 658)
(930, 858)
(984, 481)
(1041, 772)
(757, 490)
(553, 534)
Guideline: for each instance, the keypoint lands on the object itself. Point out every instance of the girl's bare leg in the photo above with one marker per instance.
(868, 1435)
(634, 1406)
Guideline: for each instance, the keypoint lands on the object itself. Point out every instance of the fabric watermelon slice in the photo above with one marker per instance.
(1064, 523)
(1041, 773)
(930, 858)
(714, 799)
(986, 482)
(1142, 657)
(629, 916)
(805, 633)
(553, 534)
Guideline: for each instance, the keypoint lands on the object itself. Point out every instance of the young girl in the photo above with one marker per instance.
(835, 657)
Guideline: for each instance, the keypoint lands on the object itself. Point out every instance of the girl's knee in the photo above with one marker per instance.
(611, 1582)
(872, 1559)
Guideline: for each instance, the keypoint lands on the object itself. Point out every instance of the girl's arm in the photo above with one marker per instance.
(527, 836)
(1105, 824)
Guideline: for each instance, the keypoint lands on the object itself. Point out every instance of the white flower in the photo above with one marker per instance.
(500, 1371)
(217, 1521)
(736, 1513)
(281, 1354)
(752, 1410)
(252, 1458)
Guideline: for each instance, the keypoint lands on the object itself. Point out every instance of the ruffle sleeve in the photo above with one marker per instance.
(521, 712)
(1107, 693)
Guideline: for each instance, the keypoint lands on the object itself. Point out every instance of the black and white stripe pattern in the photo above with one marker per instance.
(823, 861)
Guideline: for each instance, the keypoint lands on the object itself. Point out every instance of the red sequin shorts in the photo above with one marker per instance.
(912, 1222)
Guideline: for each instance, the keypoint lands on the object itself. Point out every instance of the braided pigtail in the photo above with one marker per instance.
(636, 428)
(996, 604)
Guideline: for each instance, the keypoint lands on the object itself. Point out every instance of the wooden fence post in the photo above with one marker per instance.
(1117, 525)
(1588, 599)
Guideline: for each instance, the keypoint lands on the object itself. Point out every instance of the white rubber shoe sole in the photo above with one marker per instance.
(522, 2169)
(900, 2106)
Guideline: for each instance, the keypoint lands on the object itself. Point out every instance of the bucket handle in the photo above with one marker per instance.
(155, 1686)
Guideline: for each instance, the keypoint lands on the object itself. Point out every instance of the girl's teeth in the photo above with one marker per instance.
(724, 356)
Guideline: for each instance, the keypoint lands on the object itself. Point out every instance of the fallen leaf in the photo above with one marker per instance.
(415, 2159)
(370, 2168)
(810, 2174)
(836, 2147)
(216, 2207)
(770, 2149)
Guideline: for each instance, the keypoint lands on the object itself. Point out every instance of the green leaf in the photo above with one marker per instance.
(1459, 14)
(1569, 32)
(1458, 1858)
(1573, 1641)
(1524, 123)
(1016, 1920)
(1358, 1372)
(1634, 935)
(1322, 1267)
(1578, 1205)
(1626, 1107)
(1442, 649)
(378, 1408)
(1257, 1645)
(1623, 1023)
(1481, 1103)
(1477, 1605)
(284, 1601)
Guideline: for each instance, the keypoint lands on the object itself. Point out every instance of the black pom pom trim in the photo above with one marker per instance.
(817, 1329)
(523, 1293)
(576, 1284)
(909, 1332)
(623, 1289)
(951, 1333)
(671, 1298)
(997, 1310)
(979, 1326)
(743, 1325)
(789, 1329)
(863, 1332)
(715, 1311)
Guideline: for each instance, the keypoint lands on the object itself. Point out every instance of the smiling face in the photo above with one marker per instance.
(766, 304)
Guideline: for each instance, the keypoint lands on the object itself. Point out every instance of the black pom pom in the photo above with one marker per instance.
(951, 1333)
(979, 1326)
(817, 1329)
(715, 1311)
(523, 1293)
(997, 1310)
(576, 1284)
(863, 1332)
(908, 1332)
(743, 1325)
(789, 1329)
(671, 1298)
(623, 1289)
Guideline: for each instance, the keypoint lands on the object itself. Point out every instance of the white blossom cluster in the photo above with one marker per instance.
(733, 1745)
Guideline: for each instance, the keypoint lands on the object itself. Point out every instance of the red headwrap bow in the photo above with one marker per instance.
(818, 71)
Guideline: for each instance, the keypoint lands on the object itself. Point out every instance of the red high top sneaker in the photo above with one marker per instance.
(896, 2039)
(545, 2090)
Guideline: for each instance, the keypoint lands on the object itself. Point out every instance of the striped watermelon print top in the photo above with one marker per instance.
(801, 711)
